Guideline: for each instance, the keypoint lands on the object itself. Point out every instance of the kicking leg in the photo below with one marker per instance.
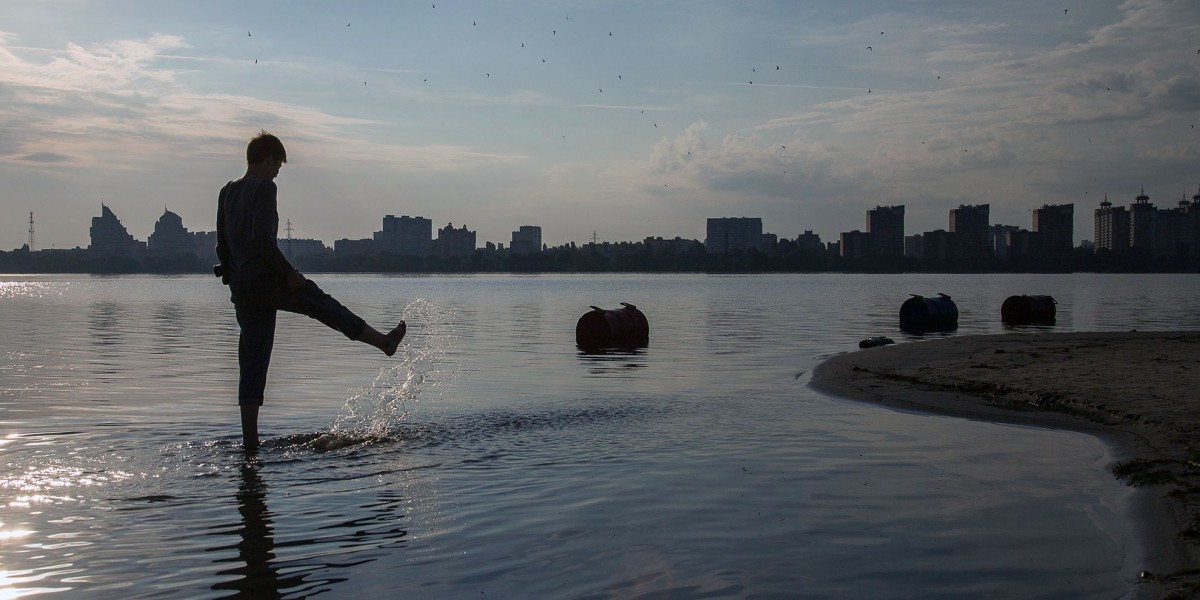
(311, 301)
(384, 341)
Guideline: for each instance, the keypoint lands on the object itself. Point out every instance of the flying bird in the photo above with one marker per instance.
(248, 34)
(776, 67)
(870, 48)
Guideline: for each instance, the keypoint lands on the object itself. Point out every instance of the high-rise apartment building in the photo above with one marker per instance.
(969, 224)
(886, 226)
(855, 245)
(527, 239)
(998, 239)
(1056, 225)
(731, 234)
(406, 236)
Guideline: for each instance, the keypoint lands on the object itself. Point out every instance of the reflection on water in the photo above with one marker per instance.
(106, 322)
(613, 362)
(490, 457)
(256, 574)
(272, 562)
(169, 333)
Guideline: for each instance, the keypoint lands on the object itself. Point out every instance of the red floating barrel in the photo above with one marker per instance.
(920, 314)
(624, 327)
(1028, 310)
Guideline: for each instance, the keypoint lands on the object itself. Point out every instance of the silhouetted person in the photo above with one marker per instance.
(262, 281)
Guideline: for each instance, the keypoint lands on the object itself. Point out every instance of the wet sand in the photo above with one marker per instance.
(1141, 390)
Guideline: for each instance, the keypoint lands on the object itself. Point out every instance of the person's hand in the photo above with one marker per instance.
(295, 281)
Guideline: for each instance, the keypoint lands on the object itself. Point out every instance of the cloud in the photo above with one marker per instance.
(962, 29)
(44, 157)
(115, 106)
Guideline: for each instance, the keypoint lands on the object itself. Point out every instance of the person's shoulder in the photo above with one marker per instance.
(257, 182)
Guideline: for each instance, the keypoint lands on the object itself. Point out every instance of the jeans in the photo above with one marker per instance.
(256, 306)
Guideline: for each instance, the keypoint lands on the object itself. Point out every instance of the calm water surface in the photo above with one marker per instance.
(489, 458)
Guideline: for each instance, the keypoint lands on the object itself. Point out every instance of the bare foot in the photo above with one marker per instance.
(394, 336)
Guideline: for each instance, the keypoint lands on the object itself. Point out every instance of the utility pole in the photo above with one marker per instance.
(594, 237)
(31, 232)
(288, 229)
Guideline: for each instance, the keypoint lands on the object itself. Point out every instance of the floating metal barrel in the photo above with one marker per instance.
(624, 327)
(920, 314)
(1028, 310)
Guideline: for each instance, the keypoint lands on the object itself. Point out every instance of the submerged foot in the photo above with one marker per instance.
(394, 336)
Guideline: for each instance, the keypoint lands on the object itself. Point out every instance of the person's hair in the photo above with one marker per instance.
(265, 146)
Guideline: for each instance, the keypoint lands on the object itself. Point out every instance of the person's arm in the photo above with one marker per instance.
(222, 244)
(263, 235)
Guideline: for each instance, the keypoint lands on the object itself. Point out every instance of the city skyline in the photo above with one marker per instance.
(887, 223)
(628, 119)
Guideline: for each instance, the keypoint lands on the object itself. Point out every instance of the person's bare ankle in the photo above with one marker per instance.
(394, 336)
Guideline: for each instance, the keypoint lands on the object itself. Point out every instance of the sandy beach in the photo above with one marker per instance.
(1141, 390)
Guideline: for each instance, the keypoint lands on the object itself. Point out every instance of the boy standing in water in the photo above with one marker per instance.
(262, 281)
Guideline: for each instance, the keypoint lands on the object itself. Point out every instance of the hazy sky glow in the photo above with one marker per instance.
(629, 118)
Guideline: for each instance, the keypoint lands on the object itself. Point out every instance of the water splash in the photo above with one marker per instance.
(374, 412)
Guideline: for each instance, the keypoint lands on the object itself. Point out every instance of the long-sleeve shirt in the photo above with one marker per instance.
(247, 230)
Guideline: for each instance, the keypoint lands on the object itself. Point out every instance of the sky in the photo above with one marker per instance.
(603, 119)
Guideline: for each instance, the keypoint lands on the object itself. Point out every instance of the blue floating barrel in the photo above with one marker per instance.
(920, 314)
(1028, 310)
(625, 327)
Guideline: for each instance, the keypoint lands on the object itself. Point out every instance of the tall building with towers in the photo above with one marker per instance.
(1112, 228)
(1143, 218)
(454, 243)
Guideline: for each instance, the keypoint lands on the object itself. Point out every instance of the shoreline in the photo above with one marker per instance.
(1135, 390)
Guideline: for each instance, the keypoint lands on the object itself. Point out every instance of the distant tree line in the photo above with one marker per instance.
(784, 257)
